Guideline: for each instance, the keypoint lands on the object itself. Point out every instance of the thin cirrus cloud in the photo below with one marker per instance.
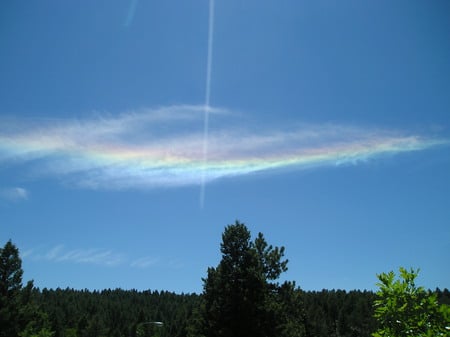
(164, 147)
(14, 194)
(145, 262)
(93, 256)
(84, 256)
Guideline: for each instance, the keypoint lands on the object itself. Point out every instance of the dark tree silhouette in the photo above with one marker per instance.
(241, 297)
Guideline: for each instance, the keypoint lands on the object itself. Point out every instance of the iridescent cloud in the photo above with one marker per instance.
(164, 147)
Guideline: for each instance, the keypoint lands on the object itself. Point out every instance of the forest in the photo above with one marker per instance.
(241, 297)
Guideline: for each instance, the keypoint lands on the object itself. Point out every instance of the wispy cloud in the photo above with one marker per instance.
(164, 147)
(94, 256)
(145, 262)
(26, 253)
(85, 256)
(14, 194)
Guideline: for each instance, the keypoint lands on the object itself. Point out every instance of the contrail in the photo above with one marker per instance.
(131, 13)
(207, 100)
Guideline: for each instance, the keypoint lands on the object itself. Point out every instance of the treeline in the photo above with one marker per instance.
(339, 313)
(242, 297)
(116, 313)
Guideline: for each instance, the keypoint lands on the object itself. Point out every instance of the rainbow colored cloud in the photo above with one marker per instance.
(164, 147)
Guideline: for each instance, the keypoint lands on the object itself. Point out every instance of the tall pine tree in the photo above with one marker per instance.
(10, 290)
(241, 297)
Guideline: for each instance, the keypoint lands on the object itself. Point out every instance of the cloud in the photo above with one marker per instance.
(163, 147)
(26, 253)
(145, 262)
(14, 194)
(84, 256)
(54, 253)
(93, 256)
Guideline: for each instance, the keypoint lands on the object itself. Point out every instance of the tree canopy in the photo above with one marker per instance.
(10, 285)
(241, 296)
(406, 310)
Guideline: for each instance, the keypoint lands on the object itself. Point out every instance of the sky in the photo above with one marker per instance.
(133, 131)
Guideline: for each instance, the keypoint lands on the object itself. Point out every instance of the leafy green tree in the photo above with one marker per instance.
(403, 309)
(241, 297)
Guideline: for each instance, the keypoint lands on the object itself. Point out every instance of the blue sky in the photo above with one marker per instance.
(327, 129)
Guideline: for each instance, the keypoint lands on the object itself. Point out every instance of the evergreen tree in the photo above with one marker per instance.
(10, 290)
(19, 314)
(240, 297)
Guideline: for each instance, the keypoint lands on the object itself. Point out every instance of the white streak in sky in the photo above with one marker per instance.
(207, 100)
(94, 256)
(84, 256)
(144, 262)
(131, 13)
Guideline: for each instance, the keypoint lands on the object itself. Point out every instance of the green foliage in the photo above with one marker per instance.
(44, 332)
(10, 290)
(19, 315)
(116, 312)
(290, 311)
(36, 322)
(338, 313)
(241, 293)
(240, 297)
(403, 309)
(10, 271)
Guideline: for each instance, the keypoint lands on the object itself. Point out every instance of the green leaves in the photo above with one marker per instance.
(403, 309)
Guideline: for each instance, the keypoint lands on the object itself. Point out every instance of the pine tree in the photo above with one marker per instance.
(241, 297)
(10, 287)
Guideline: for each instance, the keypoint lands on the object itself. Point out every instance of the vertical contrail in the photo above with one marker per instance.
(131, 13)
(207, 100)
